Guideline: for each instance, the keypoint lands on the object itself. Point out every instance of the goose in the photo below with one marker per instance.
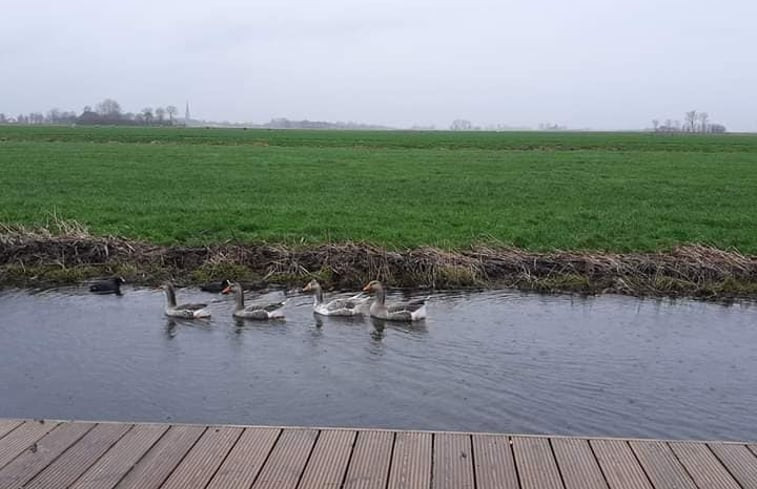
(337, 307)
(110, 285)
(186, 311)
(255, 311)
(399, 311)
(215, 287)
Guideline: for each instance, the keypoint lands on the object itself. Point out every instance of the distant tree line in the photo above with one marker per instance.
(466, 125)
(106, 112)
(284, 123)
(693, 122)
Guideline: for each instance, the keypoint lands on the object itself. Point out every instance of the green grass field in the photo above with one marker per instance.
(539, 191)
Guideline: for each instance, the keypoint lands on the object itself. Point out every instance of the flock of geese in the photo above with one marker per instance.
(352, 306)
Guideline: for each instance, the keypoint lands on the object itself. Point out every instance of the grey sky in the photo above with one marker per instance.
(583, 63)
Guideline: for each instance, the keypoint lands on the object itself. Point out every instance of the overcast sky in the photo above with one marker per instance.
(600, 64)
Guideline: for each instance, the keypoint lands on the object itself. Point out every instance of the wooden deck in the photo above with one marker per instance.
(53, 454)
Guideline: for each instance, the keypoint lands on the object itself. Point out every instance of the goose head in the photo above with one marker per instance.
(373, 286)
(232, 287)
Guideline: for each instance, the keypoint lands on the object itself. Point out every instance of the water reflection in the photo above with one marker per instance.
(415, 328)
(173, 325)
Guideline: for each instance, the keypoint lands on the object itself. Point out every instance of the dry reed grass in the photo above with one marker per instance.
(64, 251)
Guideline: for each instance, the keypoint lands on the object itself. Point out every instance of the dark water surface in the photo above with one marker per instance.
(503, 362)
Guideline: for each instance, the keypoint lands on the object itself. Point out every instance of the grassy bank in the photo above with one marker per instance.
(533, 191)
(70, 254)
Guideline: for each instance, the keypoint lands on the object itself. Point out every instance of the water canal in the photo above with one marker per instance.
(483, 361)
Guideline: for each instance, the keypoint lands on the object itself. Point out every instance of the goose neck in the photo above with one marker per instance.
(170, 296)
(239, 298)
(380, 294)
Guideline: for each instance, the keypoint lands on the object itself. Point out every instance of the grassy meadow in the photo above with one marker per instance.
(538, 191)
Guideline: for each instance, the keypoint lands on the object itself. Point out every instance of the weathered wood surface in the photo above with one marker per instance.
(54, 454)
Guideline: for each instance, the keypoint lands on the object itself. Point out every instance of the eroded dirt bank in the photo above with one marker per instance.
(38, 258)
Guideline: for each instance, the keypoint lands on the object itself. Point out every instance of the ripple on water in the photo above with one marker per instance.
(500, 361)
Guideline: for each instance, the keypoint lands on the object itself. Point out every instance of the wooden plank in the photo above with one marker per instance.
(411, 461)
(77, 459)
(369, 466)
(494, 463)
(328, 462)
(661, 465)
(536, 464)
(109, 470)
(202, 461)
(162, 458)
(36, 458)
(739, 460)
(37, 454)
(619, 465)
(246, 459)
(452, 462)
(577, 464)
(703, 466)
(287, 460)
(21, 438)
(8, 425)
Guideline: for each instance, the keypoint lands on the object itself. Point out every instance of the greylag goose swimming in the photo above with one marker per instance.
(255, 311)
(337, 307)
(398, 311)
(110, 285)
(186, 311)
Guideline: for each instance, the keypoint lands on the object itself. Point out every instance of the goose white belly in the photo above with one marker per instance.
(339, 307)
(334, 310)
(259, 314)
(409, 311)
(187, 313)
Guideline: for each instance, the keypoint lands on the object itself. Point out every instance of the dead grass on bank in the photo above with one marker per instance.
(65, 252)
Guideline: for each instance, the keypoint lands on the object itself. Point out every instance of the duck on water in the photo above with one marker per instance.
(111, 285)
(215, 287)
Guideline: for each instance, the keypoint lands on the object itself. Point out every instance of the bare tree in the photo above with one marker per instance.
(703, 126)
(461, 125)
(655, 124)
(147, 114)
(108, 107)
(160, 113)
(171, 110)
(691, 120)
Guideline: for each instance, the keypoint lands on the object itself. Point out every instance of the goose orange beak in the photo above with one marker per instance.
(367, 288)
(227, 290)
